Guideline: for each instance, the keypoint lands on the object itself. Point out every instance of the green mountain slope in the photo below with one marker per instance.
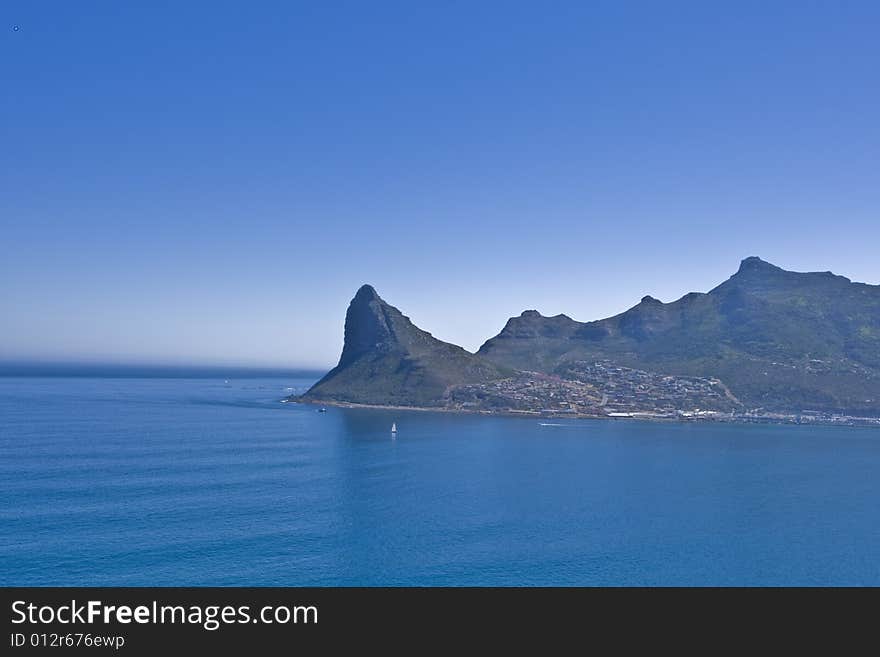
(778, 339)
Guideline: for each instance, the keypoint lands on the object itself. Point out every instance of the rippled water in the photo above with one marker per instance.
(199, 482)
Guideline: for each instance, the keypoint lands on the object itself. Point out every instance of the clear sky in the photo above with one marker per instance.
(210, 182)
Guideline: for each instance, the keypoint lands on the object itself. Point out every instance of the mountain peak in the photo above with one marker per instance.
(366, 325)
(755, 264)
(367, 293)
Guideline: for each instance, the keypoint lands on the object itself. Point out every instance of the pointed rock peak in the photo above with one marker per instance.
(367, 325)
(648, 299)
(366, 293)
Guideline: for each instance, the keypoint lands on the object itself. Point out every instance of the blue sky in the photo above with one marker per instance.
(210, 182)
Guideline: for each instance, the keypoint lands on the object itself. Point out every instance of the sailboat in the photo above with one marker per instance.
(394, 428)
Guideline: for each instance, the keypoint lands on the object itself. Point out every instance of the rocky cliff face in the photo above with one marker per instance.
(368, 327)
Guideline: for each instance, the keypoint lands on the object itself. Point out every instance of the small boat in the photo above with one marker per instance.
(394, 428)
(322, 410)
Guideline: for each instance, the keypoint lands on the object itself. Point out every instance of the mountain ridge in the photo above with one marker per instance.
(765, 338)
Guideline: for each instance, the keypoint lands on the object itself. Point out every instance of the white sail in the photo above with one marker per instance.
(394, 427)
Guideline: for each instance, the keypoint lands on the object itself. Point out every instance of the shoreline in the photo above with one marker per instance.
(793, 420)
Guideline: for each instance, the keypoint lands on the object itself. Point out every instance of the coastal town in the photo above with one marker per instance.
(604, 390)
(598, 389)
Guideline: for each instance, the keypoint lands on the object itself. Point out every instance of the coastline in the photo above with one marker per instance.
(784, 419)
(422, 409)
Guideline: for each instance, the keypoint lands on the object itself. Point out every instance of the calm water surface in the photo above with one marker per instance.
(199, 482)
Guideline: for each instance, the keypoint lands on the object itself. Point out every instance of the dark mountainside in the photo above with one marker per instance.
(766, 339)
(387, 360)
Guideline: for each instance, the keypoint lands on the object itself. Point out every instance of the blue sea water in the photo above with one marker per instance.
(174, 481)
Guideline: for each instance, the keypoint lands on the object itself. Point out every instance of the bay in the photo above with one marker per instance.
(199, 481)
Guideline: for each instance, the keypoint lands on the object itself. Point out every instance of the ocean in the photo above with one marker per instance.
(199, 481)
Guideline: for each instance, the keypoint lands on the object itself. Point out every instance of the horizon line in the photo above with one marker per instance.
(126, 369)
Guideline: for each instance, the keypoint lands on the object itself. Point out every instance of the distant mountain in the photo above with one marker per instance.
(387, 360)
(766, 339)
(777, 339)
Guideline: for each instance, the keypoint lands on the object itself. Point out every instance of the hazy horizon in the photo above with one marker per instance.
(127, 369)
(209, 185)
